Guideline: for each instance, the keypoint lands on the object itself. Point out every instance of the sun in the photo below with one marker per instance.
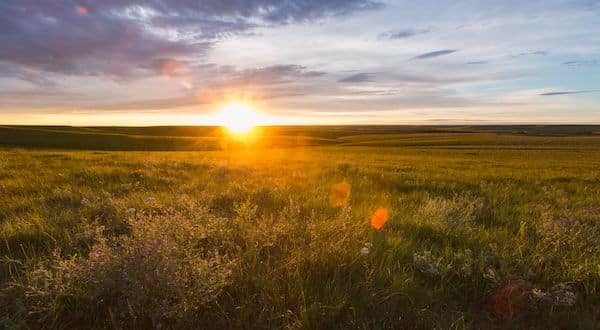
(238, 118)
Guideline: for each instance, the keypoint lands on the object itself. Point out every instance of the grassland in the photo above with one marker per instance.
(488, 227)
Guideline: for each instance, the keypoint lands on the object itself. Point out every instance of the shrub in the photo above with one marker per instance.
(159, 273)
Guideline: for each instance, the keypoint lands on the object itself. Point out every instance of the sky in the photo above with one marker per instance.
(159, 62)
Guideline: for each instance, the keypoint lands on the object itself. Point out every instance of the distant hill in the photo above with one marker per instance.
(175, 138)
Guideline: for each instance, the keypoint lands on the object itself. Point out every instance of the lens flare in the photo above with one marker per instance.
(340, 194)
(82, 10)
(379, 218)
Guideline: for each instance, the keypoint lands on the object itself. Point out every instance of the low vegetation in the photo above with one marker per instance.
(378, 236)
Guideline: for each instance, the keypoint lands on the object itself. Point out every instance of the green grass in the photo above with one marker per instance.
(203, 138)
(248, 238)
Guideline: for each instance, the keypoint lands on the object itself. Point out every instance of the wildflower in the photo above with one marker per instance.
(130, 210)
(491, 275)
(423, 263)
(564, 223)
(379, 218)
(150, 200)
(463, 265)
(538, 294)
(366, 249)
(562, 294)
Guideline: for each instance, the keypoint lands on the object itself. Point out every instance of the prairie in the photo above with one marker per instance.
(171, 227)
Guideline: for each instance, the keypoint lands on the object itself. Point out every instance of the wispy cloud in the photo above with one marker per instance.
(434, 54)
(476, 62)
(271, 82)
(582, 63)
(358, 78)
(568, 92)
(402, 34)
(534, 53)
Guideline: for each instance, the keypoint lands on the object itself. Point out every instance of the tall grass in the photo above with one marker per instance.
(475, 238)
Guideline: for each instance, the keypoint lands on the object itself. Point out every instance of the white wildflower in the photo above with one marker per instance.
(366, 249)
(491, 275)
(539, 294)
(423, 263)
(563, 294)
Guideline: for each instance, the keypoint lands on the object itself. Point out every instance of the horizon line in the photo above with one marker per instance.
(329, 125)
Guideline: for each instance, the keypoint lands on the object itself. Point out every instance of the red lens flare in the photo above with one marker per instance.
(82, 10)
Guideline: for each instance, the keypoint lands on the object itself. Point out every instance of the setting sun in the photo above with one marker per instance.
(238, 118)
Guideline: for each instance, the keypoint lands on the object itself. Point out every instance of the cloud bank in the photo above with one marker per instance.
(123, 38)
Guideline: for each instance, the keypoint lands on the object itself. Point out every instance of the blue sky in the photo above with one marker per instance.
(121, 62)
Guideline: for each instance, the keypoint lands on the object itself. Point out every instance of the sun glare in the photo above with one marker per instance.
(238, 118)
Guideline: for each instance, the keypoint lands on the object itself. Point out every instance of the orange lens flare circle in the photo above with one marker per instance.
(379, 218)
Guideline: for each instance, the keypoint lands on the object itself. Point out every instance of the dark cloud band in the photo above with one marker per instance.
(568, 92)
(436, 53)
(124, 38)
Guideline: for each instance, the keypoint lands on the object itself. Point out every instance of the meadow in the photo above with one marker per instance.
(316, 227)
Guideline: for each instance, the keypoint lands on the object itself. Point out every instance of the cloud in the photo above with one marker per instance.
(279, 11)
(30, 76)
(56, 37)
(419, 78)
(401, 34)
(167, 54)
(289, 86)
(582, 63)
(436, 53)
(568, 92)
(358, 78)
(275, 74)
(534, 53)
(262, 83)
(123, 39)
(40, 98)
(390, 92)
(152, 104)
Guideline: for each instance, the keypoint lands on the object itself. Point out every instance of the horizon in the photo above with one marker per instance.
(515, 124)
(347, 62)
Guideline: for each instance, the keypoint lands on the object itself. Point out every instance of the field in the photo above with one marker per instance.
(487, 227)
